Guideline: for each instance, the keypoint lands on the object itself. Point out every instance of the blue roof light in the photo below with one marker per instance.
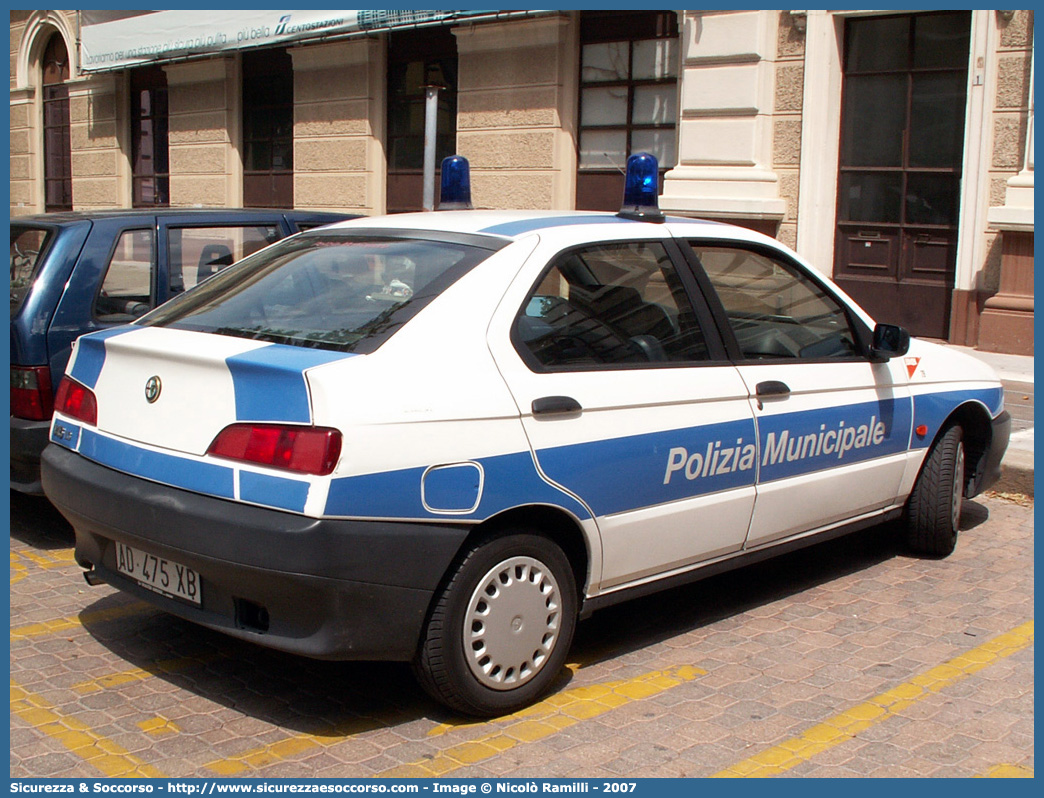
(455, 193)
(641, 189)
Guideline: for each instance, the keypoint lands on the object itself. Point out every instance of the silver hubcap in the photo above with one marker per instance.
(958, 488)
(512, 623)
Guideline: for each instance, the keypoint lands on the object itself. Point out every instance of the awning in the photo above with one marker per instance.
(116, 40)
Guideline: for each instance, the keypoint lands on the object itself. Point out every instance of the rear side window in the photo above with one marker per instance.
(126, 292)
(325, 291)
(610, 305)
(27, 247)
(196, 253)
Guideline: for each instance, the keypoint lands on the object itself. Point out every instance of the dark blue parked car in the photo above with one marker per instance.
(74, 273)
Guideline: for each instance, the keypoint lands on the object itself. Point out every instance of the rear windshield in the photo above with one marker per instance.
(346, 293)
(27, 247)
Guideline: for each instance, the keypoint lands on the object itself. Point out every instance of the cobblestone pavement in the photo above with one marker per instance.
(848, 659)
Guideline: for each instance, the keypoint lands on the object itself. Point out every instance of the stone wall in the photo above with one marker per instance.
(338, 127)
(203, 103)
(786, 139)
(516, 99)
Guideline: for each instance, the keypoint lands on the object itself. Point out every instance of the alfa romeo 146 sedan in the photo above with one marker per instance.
(445, 437)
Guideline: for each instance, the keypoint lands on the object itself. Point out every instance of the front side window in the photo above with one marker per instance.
(196, 253)
(324, 291)
(610, 305)
(774, 310)
(126, 291)
(27, 246)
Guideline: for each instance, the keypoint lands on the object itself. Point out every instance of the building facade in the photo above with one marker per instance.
(893, 150)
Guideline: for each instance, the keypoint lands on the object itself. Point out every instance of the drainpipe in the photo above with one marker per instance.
(431, 109)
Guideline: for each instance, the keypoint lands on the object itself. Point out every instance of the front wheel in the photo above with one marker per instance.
(501, 628)
(934, 510)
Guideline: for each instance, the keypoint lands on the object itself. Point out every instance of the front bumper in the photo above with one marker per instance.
(330, 589)
(28, 440)
(990, 471)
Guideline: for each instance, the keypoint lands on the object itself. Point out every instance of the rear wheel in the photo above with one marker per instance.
(934, 510)
(501, 627)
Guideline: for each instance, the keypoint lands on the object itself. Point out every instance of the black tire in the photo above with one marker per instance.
(508, 595)
(934, 508)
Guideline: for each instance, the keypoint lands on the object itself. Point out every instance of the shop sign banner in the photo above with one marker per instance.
(108, 43)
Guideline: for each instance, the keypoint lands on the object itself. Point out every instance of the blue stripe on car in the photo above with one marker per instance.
(610, 476)
(272, 491)
(793, 444)
(622, 474)
(511, 480)
(208, 478)
(528, 225)
(542, 223)
(90, 355)
(65, 434)
(933, 409)
(269, 382)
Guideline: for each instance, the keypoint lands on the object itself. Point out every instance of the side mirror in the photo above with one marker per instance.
(890, 340)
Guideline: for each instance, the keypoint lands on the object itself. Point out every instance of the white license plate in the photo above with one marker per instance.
(163, 576)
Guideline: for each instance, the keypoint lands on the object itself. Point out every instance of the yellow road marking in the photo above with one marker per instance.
(18, 567)
(110, 759)
(1007, 772)
(547, 717)
(159, 726)
(49, 560)
(76, 621)
(848, 724)
(140, 674)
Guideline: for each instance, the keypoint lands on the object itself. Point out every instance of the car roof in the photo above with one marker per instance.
(67, 217)
(508, 224)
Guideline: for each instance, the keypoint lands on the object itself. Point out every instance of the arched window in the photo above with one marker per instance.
(57, 149)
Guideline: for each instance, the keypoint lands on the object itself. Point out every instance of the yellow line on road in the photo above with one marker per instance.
(73, 622)
(1007, 772)
(18, 567)
(547, 717)
(109, 758)
(140, 674)
(848, 724)
(50, 559)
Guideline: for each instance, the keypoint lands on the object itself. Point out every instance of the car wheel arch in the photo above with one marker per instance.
(974, 420)
(554, 523)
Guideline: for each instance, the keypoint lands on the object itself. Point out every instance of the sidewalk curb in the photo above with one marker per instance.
(1016, 474)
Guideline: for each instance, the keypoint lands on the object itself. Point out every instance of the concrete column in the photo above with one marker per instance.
(516, 111)
(727, 134)
(25, 172)
(339, 114)
(1006, 324)
(99, 167)
(205, 108)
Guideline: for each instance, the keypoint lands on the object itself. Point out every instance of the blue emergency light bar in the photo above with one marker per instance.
(455, 191)
(641, 189)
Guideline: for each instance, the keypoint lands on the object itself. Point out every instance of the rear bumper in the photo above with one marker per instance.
(28, 440)
(330, 589)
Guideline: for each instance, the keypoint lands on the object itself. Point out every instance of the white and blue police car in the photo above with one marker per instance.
(444, 437)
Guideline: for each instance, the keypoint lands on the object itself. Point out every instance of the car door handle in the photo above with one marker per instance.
(555, 405)
(771, 389)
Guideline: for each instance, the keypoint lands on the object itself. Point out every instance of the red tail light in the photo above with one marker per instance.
(31, 395)
(77, 401)
(310, 450)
